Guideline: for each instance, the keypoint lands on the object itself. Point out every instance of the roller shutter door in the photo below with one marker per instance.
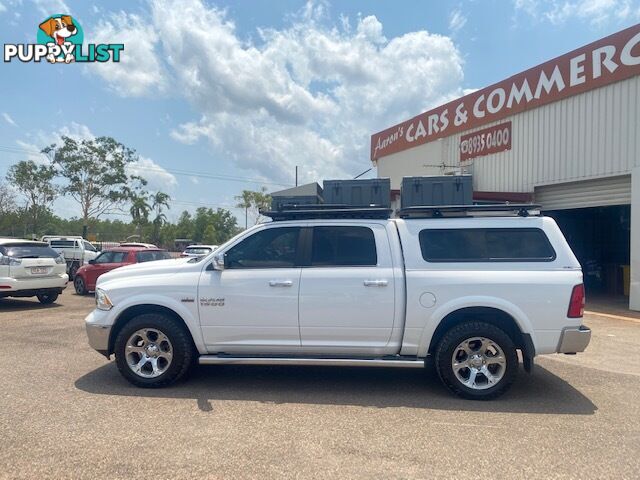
(586, 193)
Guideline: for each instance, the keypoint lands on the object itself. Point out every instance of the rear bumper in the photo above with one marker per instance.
(28, 287)
(574, 339)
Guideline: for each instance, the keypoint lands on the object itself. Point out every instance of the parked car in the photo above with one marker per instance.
(198, 250)
(31, 269)
(138, 244)
(353, 290)
(75, 250)
(86, 276)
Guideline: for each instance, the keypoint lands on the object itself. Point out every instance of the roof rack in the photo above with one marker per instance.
(439, 211)
(309, 212)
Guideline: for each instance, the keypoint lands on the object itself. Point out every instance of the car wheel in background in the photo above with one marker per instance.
(153, 350)
(79, 285)
(476, 360)
(72, 270)
(47, 298)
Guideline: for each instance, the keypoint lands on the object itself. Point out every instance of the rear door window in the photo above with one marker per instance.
(62, 243)
(486, 245)
(152, 256)
(344, 246)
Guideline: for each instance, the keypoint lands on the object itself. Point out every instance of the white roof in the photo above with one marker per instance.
(4, 241)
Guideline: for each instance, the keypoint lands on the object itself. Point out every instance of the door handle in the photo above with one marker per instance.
(375, 283)
(280, 283)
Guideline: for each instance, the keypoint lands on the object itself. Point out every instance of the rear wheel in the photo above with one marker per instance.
(153, 350)
(78, 284)
(47, 298)
(73, 269)
(476, 360)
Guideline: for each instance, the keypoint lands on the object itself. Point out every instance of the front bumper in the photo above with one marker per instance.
(574, 339)
(98, 331)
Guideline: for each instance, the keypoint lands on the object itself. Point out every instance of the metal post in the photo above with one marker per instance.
(296, 175)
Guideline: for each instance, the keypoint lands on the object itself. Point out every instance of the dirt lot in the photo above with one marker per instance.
(66, 412)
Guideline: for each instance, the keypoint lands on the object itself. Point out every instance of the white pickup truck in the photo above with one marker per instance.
(75, 250)
(469, 291)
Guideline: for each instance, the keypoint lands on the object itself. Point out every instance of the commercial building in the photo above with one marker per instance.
(564, 134)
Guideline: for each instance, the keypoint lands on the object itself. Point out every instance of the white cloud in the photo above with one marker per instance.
(8, 119)
(596, 12)
(44, 7)
(158, 179)
(51, 7)
(309, 94)
(457, 20)
(139, 71)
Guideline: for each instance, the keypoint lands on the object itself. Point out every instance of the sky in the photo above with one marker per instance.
(221, 96)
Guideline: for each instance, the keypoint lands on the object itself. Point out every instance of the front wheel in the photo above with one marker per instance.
(476, 360)
(47, 298)
(153, 350)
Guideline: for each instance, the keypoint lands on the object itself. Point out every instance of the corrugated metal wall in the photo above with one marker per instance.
(591, 135)
(586, 193)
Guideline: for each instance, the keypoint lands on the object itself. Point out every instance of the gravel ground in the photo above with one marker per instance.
(65, 412)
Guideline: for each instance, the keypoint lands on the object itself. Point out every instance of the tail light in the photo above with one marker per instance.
(576, 304)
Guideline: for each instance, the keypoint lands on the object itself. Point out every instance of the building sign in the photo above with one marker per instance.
(605, 61)
(486, 141)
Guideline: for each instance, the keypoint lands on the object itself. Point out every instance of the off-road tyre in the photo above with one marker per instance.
(459, 334)
(183, 350)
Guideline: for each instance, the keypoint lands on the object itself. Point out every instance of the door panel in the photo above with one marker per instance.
(252, 305)
(347, 299)
(244, 308)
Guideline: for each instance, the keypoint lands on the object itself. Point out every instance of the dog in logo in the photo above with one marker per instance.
(59, 29)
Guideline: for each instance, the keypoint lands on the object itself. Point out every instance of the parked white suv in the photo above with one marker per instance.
(468, 291)
(29, 269)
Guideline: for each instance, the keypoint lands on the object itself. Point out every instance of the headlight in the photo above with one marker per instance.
(60, 260)
(103, 302)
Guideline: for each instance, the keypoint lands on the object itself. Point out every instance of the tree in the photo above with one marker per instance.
(184, 228)
(158, 201)
(252, 202)
(8, 209)
(209, 235)
(7, 202)
(214, 226)
(140, 210)
(35, 182)
(96, 175)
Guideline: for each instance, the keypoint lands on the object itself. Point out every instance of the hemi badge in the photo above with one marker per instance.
(188, 300)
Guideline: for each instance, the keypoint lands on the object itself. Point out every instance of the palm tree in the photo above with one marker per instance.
(139, 210)
(254, 201)
(159, 200)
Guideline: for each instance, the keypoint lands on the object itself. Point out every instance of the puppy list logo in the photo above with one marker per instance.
(60, 40)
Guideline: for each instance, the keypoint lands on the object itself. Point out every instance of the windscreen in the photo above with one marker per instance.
(28, 250)
(198, 250)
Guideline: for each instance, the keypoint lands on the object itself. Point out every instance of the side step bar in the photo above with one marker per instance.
(333, 362)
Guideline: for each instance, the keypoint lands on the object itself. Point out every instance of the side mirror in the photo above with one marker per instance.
(92, 261)
(219, 261)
